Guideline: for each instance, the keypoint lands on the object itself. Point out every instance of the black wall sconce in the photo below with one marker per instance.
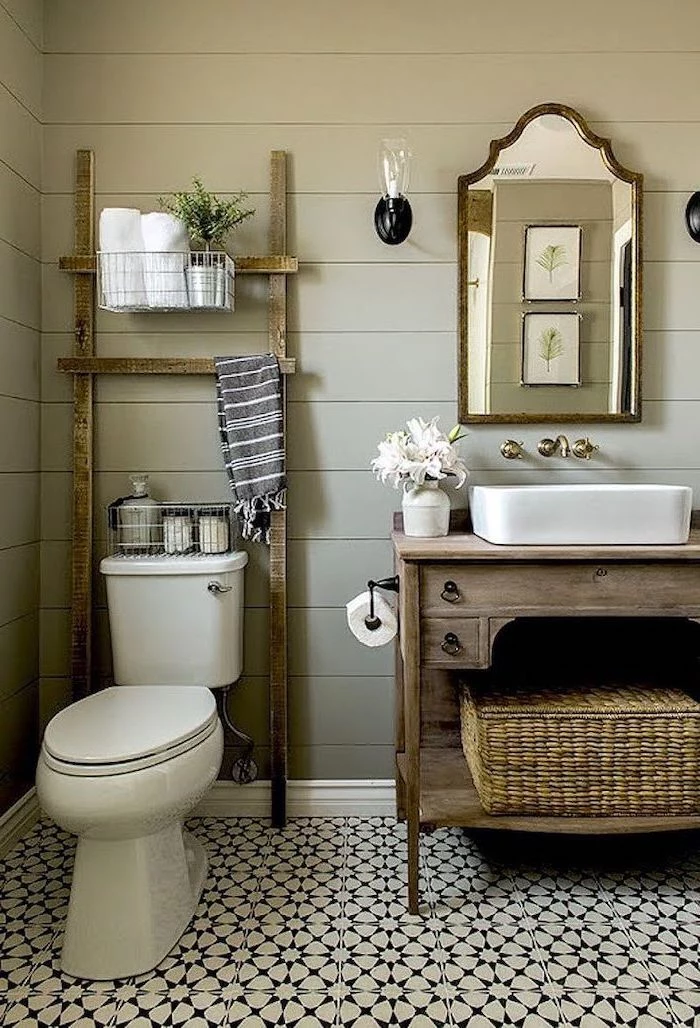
(393, 216)
(692, 217)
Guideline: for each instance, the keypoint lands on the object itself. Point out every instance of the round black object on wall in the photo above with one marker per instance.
(393, 219)
(692, 217)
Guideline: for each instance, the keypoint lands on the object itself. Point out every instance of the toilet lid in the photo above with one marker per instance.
(125, 723)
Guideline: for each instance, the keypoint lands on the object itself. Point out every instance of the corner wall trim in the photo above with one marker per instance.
(18, 820)
(313, 798)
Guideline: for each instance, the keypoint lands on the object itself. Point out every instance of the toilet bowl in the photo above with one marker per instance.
(122, 768)
(123, 782)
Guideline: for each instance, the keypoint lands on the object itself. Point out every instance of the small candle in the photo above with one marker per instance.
(213, 534)
(177, 533)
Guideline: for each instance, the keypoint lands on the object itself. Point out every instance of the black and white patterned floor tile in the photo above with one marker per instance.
(637, 1009)
(30, 898)
(206, 959)
(75, 1007)
(652, 897)
(47, 978)
(485, 955)
(22, 948)
(194, 1010)
(377, 832)
(590, 956)
(404, 957)
(301, 954)
(308, 926)
(484, 1010)
(367, 906)
(563, 897)
(272, 1009)
(406, 1010)
(671, 951)
(685, 1007)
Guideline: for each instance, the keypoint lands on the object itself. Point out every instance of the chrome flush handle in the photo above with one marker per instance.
(216, 588)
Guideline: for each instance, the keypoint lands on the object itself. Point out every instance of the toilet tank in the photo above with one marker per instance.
(176, 620)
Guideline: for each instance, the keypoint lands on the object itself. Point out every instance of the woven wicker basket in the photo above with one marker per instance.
(577, 751)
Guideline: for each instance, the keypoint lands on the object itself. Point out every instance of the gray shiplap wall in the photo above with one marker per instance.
(165, 89)
(20, 324)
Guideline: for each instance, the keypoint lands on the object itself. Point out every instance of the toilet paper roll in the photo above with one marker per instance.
(358, 608)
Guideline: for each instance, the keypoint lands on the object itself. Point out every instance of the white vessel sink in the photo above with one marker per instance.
(580, 515)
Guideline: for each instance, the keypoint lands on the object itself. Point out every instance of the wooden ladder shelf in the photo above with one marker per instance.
(84, 365)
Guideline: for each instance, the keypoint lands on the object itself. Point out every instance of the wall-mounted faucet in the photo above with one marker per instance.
(548, 447)
(581, 448)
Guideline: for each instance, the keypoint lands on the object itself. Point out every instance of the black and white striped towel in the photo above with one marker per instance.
(251, 425)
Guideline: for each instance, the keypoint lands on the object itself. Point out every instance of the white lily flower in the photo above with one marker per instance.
(422, 453)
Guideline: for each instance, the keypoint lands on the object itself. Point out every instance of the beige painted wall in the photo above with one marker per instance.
(166, 89)
(20, 323)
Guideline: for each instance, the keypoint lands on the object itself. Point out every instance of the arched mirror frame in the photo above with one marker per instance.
(635, 179)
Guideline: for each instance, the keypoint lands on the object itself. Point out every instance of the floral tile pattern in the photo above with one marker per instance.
(78, 1009)
(307, 926)
(625, 1008)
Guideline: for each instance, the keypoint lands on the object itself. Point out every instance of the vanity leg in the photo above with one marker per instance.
(410, 628)
(399, 735)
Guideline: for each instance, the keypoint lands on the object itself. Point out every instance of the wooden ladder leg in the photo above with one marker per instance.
(277, 334)
(84, 320)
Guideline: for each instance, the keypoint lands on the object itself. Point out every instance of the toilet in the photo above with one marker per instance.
(123, 768)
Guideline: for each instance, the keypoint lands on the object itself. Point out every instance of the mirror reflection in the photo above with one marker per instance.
(550, 277)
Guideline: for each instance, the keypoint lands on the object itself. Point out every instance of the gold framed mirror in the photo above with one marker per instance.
(550, 277)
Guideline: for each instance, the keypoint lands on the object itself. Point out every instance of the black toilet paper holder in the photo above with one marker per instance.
(372, 622)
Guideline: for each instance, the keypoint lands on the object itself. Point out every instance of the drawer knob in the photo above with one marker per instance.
(450, 592)
(451, 644)
(601, 572)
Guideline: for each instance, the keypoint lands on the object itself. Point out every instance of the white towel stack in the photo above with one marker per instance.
(165, 242)
(121, 267)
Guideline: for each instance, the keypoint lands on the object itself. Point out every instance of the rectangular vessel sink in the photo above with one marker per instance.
(580, 515)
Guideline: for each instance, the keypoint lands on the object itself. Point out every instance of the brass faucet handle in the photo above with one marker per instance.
(583, 448)
(547, 447)
(512, 450)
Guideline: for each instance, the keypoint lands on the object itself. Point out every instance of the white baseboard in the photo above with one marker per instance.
(316, 798)
(18, 820)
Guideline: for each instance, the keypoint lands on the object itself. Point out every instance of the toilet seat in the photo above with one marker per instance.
(127, 728)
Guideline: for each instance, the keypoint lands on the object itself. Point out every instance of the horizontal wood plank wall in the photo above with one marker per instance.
(20, 336)
(373, 327)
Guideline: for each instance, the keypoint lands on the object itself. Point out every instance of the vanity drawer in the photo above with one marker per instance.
(461, 590)
(452, 642)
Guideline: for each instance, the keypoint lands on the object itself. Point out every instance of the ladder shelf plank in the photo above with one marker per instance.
(150, 365)
(274, 264)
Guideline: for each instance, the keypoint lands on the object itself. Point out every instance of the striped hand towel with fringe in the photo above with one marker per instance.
(251, 426)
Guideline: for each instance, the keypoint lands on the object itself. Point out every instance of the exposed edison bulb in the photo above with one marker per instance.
(392, 216)
(394, 165)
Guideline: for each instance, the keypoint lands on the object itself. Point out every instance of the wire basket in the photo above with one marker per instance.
(200, 280)
(170, 529)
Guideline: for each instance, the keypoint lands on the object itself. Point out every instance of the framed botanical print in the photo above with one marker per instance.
(552, 262)
(550, 349)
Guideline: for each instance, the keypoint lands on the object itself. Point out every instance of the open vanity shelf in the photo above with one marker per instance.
(448, 798)
(84, 365)
(491, 586)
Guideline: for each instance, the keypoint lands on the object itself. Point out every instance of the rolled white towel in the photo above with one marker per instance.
(166, 242)
(121, 267)
(120, 230)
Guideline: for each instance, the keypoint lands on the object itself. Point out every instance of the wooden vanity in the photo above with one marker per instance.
(456, 593)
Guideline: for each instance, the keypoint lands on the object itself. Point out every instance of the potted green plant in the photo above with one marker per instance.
(209, 220)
